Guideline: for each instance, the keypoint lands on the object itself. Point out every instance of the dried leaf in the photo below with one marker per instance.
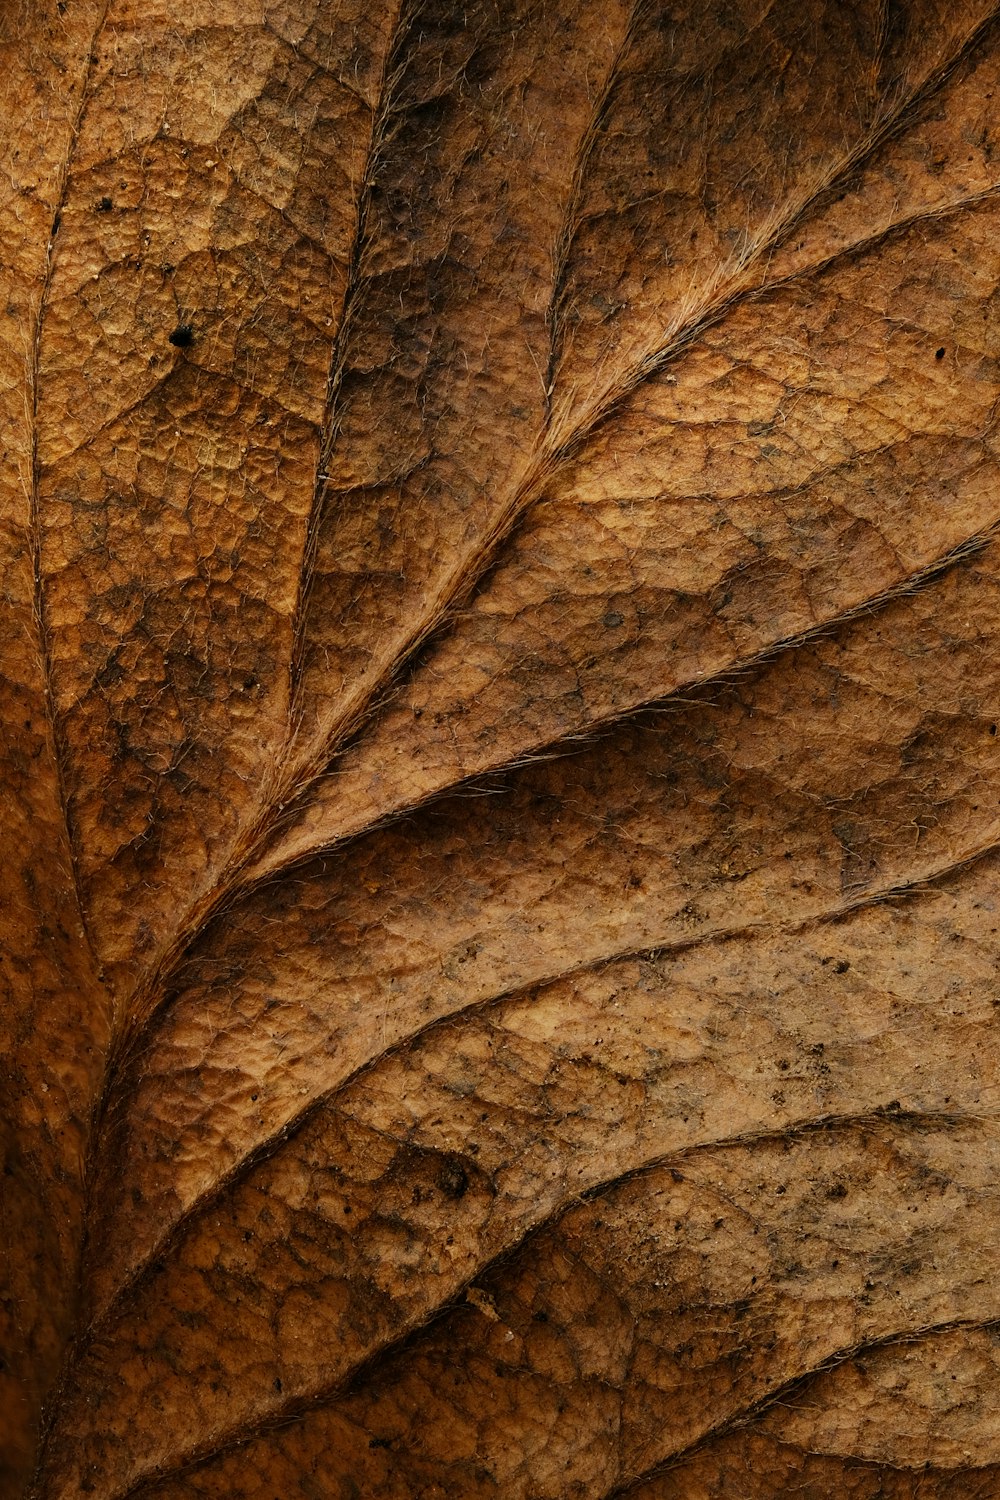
(502, 783)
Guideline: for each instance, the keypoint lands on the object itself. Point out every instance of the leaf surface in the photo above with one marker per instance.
(502, 782)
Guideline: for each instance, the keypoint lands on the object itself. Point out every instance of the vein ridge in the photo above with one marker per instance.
(301, 1406)
(290, 1128)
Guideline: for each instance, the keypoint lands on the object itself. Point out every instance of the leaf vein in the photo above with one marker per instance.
(299, 1407)
(271, 1144)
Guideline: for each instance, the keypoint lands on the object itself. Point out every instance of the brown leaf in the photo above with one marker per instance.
(501, 675)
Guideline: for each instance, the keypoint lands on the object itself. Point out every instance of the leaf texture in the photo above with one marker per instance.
(501, 548)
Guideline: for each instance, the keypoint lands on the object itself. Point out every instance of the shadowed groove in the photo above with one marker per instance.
(468, 573)
(288, 1130)
(301, 1406)
(575, 740)
(797, 1386)
(34, 498)
(304, 766)
(571, 216)
(393, 63)
(59, 750)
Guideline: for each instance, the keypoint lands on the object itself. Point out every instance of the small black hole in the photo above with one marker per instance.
(182, 336)
(104, 205)
(939, 354)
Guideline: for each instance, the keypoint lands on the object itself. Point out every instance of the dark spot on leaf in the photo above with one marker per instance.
(453, 1180)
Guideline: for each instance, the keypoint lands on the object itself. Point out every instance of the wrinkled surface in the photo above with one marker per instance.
(500, 535)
